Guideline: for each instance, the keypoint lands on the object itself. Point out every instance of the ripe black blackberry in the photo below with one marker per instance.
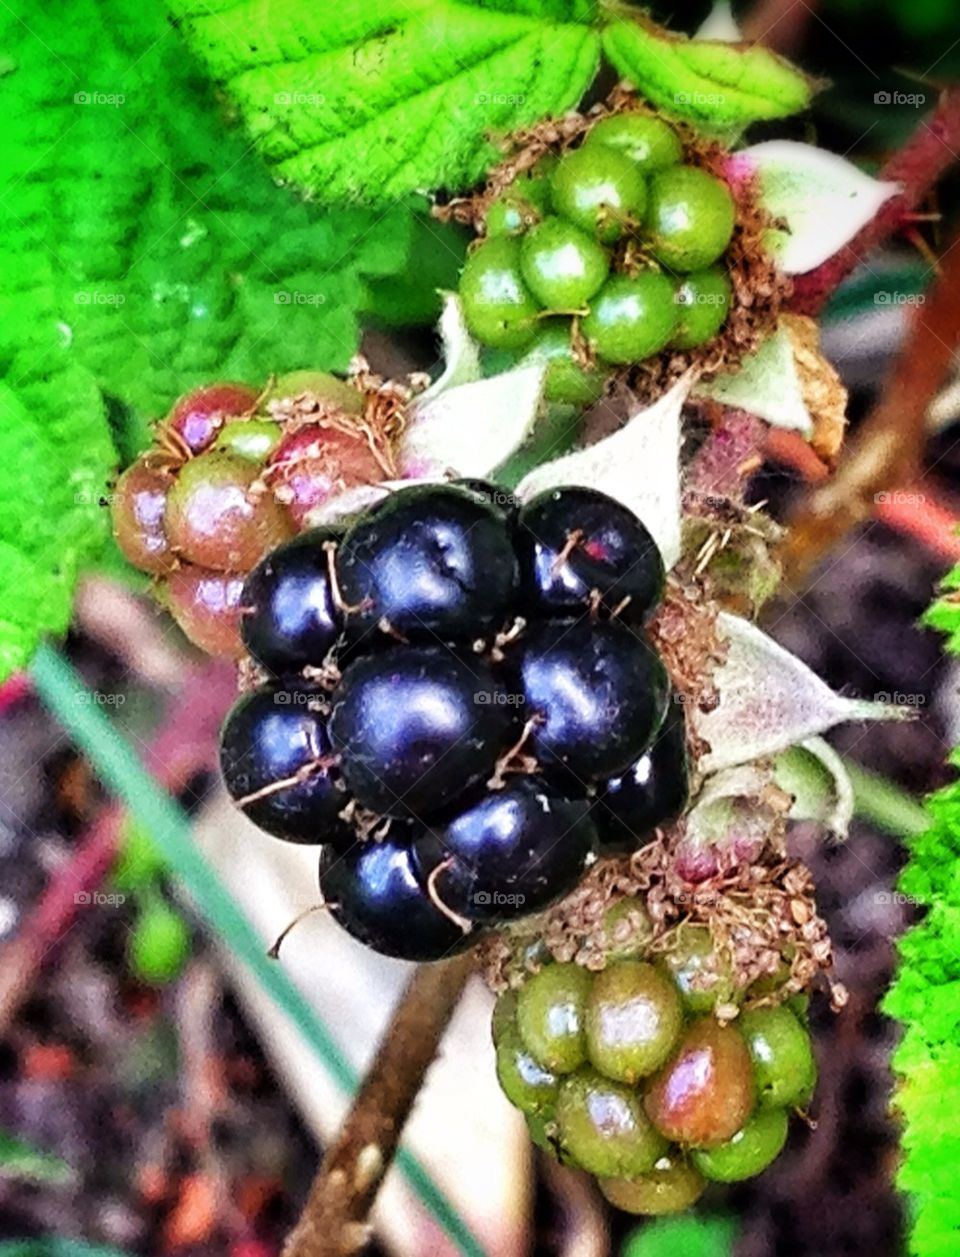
(458, 683)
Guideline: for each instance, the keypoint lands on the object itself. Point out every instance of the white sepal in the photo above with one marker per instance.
(823, 198)
(461, 353)
(767, 384)
(639, 465)
(720, 24)
(815, 775)
(770, 700)
(470, 429)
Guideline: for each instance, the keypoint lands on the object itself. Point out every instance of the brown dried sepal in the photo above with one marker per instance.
(762, 917)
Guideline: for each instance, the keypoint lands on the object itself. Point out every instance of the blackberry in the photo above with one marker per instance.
(290, 618)
(577, 545)
(512, 853)
(416, 728)
(277, 763)
(372, 890)
(432, 561)
(652, 791)
(626, 235)
(595, 695)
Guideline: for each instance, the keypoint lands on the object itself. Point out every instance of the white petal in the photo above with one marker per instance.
(823, 198)
(461, 353)
(770, 700)
(720, 24)
(767, 384)
(639, 465)
(470, 429)
(818, 780)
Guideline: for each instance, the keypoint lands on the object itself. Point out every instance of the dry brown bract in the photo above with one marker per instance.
(762, 916)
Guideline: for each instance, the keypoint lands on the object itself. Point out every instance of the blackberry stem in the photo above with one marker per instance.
(335, 1221)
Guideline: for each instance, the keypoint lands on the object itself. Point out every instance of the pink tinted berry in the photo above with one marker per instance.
(138, 507)
(206, 605)
(200, 414)
(317, 462)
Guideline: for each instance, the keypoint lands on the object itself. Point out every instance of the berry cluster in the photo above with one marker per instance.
(465, 708)
(629, 1074)
(614, 245)
(227, 480)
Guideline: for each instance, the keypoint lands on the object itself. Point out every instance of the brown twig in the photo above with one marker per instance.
(334, 1220)
(917, 166)
(780, 24)
(887, 449)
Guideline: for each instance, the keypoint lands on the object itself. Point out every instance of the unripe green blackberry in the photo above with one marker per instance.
(670, 1187)
(633, 1019)
(603, 1128)
(782, 1056)
(551, 1009)
(750, 1151)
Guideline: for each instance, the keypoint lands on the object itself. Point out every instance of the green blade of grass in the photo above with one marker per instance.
(120, 769)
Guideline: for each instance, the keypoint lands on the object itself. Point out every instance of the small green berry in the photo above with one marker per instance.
(139, 862)
(782, 1055)
(563, 267)
(600, 191)
(690, 217)
(703, 299)
(631, 318)
(633, 1019)
(510, 215)
(527, 1085)
(550, 1016)
(648, 141)
(603, 1126)
(750, 1151)
(627, 929)
(498, 307)
(701, 976)
(567, 380)
(319, 384)
(670, 1187)
(160, 943)
(252, 439)
(504, 1015)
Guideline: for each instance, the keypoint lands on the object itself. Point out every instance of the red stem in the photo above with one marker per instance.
(918, 165)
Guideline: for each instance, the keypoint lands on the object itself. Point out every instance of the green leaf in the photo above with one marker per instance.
(21, 1160)
(925, 997)
(146, 249)
(374, 101)
(682, 1237)
(709, 82)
